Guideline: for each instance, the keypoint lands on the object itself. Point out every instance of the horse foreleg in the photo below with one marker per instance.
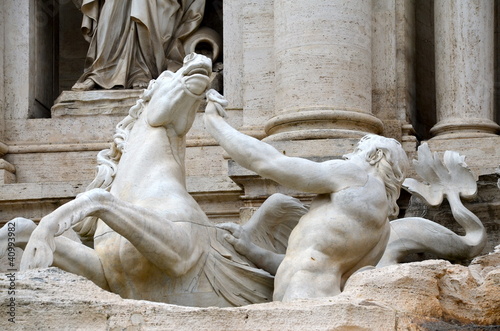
(79, 259)
(69, 255)
(15, 233)
(165, 244)
(39, 252)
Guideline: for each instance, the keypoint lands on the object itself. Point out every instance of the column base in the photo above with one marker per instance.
(465, 128)
(321, 124)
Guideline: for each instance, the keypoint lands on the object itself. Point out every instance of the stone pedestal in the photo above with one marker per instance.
(93, 103)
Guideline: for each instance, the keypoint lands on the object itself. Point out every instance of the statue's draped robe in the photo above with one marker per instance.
(133, 41)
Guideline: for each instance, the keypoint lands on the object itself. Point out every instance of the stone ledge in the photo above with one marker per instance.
(413, 296)
(96, 102)
(37, 191)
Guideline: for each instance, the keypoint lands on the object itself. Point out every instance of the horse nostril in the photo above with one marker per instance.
(189, 57)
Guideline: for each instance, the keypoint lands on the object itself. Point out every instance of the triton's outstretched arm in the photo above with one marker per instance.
(296, 173)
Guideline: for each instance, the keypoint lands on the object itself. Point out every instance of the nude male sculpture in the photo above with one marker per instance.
(347, 225)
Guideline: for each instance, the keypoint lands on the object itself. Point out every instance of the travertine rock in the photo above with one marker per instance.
(416, 296)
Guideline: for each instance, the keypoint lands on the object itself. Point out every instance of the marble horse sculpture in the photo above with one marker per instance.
(151, 240)
(348, 228)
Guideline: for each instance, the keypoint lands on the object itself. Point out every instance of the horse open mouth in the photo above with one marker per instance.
(196, 81)
(198, 71)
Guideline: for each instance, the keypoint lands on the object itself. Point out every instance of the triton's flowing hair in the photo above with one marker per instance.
(392, 165)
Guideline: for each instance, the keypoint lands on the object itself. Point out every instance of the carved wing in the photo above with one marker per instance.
(272, 223)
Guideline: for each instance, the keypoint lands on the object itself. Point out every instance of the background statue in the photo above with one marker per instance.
(133, 41)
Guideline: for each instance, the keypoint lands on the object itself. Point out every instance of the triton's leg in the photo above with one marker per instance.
(419, 235)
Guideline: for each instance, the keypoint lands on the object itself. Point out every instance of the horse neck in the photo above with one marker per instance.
(149, 150)
(178, 149)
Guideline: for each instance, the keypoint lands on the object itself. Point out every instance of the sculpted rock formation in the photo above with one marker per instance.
(429, 295)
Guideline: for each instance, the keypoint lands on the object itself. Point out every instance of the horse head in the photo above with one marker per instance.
(174, 98)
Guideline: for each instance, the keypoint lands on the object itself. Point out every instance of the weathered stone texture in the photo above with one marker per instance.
(430, 295)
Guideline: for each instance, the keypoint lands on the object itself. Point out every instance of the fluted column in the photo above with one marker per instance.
(464, 68)
(323, 70)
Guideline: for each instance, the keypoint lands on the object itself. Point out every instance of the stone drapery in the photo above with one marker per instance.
(133, 41)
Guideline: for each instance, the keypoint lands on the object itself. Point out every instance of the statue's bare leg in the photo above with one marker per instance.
(69, 255)
(163, 243)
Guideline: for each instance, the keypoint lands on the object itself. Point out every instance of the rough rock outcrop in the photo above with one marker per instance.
(429, 295)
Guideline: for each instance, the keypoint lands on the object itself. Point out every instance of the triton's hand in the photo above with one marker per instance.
(238, 237)
(215, 104)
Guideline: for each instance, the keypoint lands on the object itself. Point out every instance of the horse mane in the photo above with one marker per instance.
(108, 159)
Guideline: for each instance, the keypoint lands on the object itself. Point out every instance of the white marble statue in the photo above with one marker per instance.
(151, 239)
(347, 226)
(450, 179)
(133, 41)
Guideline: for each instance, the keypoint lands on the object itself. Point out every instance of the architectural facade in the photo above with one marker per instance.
(310, 77)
